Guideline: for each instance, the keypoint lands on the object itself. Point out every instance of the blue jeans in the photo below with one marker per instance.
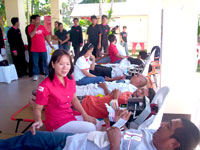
(41, 141)
(104, 60)
(63, 46)
(125, 45)
(118, 61)
(36, 56)
(88, 80)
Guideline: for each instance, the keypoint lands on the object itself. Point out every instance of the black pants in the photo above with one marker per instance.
(20, 64)
(76, 51)
(104, 46)
(102, 71)
(30, 64)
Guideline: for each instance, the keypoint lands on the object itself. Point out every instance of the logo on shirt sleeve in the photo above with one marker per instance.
(40, 88)
(133, 136)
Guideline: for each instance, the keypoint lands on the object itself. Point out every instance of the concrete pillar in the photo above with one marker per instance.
(15, 8)
(55, 12)
(179, 55)
(154, 34)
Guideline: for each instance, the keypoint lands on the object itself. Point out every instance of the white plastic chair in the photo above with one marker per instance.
(147, 63)
(154, 121)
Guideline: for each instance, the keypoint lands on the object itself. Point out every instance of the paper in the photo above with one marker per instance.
(120, 123)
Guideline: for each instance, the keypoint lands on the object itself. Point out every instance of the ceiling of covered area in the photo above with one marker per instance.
(119, 9)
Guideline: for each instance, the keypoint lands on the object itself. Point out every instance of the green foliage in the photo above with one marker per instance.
(67, 8)
(97, 1)
(84, 23)
(2, 15)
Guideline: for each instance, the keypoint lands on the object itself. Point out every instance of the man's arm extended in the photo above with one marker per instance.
(114, 137)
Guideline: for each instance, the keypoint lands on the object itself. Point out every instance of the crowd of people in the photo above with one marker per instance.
(73, 125)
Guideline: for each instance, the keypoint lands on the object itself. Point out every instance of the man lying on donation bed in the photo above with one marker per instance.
(178, 134)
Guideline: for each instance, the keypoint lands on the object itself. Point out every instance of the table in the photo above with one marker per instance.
(49, 51)
(25, 114)
(8, 73)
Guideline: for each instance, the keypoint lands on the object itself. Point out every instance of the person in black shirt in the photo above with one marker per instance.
(94, 36)
(105, 31)
(114, 30)
(17, 47)
(1, 40)
(76, 37)
(123, 39)
(30, 64)
(63, 37)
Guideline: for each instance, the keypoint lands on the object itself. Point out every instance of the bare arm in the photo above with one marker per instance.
(77, 105)
(121, 38)
(85, 72)
(37, 111)
(99, 43)
(67, 39)
(114, 137)
(120, 56)
(115, 78)
(47, 39)
(92, 66)
(104, 87)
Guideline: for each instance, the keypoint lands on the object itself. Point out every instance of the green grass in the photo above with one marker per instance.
(198, 68)
(136, 53)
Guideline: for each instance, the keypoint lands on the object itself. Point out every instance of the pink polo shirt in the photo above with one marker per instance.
(38, 41)
(57, 101)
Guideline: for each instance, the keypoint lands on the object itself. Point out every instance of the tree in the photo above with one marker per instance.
(2, 14)
(67, 8)
(37, 7)
(104, 1)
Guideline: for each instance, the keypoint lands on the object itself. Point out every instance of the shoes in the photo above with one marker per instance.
(35, 77)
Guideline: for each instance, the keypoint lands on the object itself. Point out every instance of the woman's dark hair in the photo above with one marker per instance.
(84, 50)
(56, 58)
(14, 20)
(188, 136)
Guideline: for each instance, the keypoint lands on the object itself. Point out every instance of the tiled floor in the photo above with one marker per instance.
(13, 97)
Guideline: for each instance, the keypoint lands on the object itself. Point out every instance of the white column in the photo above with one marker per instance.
(154, 35)
(15, 8)
(55, 12)
(179, 54)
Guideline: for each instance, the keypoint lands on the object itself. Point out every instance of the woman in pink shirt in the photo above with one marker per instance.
(58, 93)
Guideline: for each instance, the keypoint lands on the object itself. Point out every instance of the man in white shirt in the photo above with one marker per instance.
(107, 87)
(178, 134)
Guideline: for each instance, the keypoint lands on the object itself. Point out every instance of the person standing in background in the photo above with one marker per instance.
(123, 39)
(38, 35)
(63, 37)
(105, 31)
(17, 47)
(30, 65)
(56, 27)
(94, 36)
(76, 37)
